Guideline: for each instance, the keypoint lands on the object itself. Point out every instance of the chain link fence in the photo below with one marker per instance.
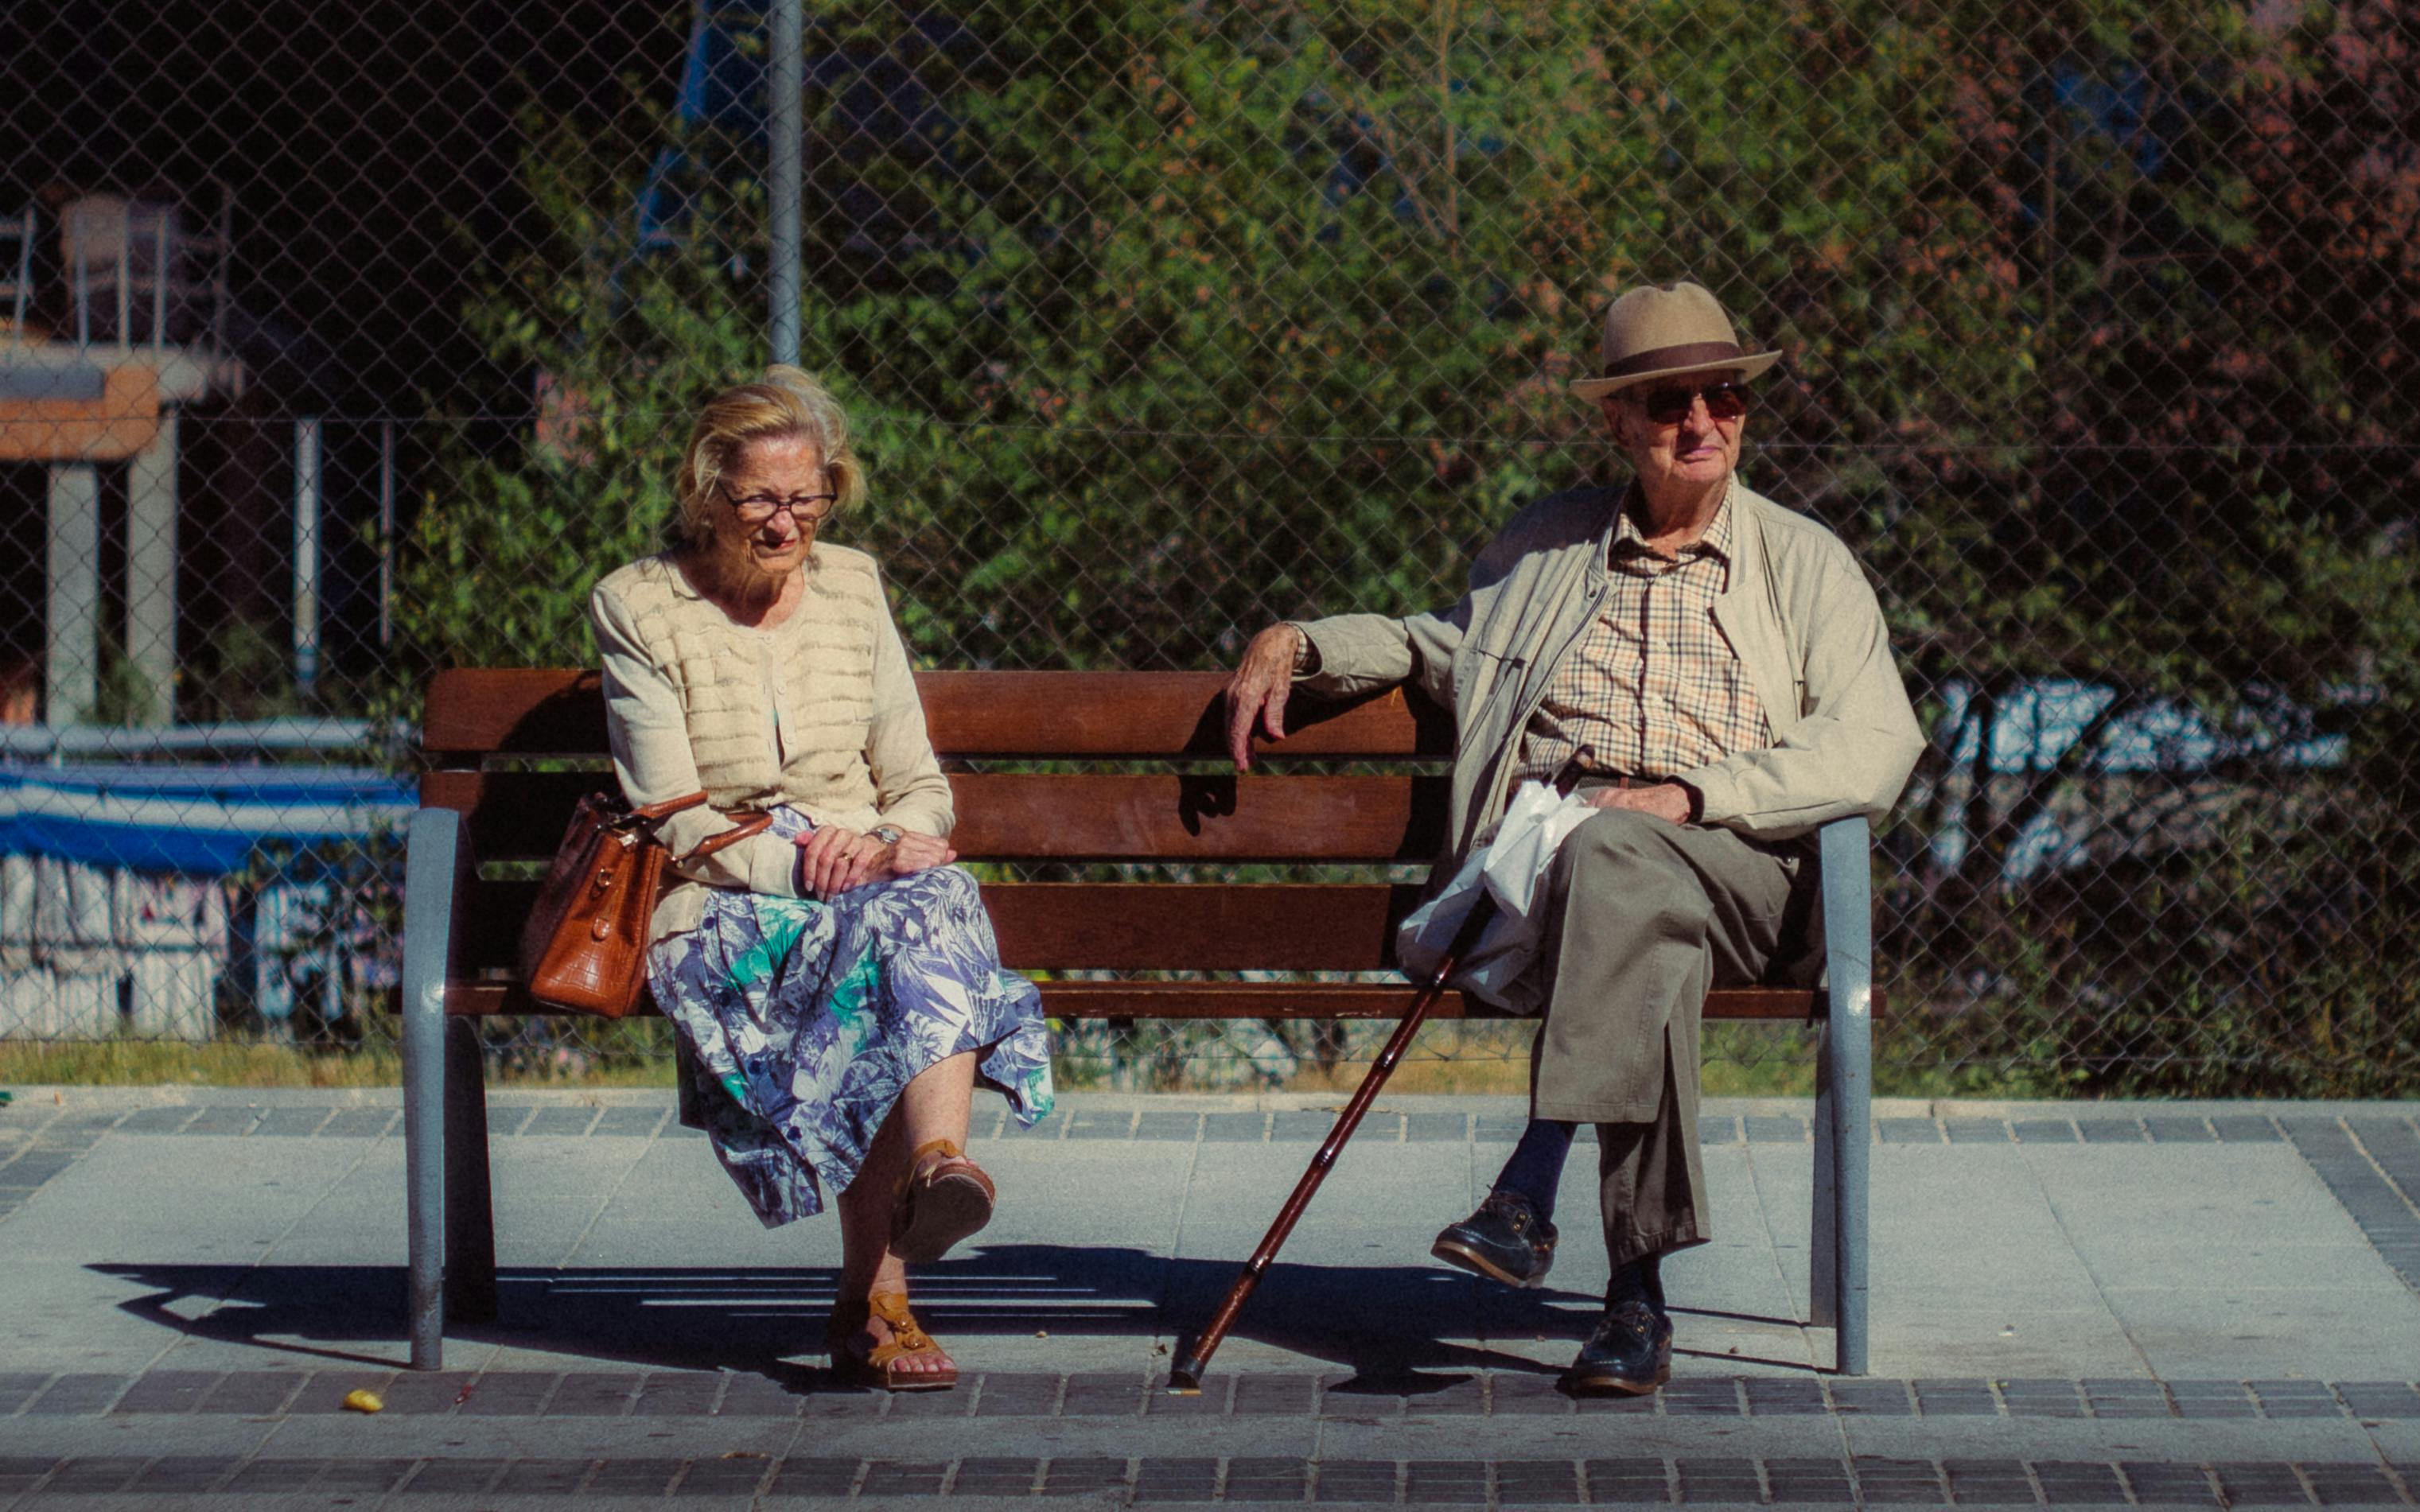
(346, 342)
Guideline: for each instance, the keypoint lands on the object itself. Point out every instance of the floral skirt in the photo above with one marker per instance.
(801, 1022)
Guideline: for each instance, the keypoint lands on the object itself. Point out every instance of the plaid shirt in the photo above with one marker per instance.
(1652, 687)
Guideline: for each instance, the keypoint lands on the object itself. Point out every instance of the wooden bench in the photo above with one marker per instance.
(1154, 787)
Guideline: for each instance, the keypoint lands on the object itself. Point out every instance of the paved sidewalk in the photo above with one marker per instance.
(2087, 1304)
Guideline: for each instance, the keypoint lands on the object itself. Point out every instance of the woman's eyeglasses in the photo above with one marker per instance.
(1669, 407)
(757, 508)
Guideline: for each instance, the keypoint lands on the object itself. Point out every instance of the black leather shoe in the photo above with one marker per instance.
(1630, 1353)
(1504, 1240)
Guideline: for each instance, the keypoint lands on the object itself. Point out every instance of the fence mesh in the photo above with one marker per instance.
(344, 342)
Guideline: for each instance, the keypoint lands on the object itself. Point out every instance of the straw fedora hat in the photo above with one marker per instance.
(1669, 330)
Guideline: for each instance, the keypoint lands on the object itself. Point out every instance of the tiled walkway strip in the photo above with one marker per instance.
(589, 1394)
(2372, 1165)
(1601, 1482)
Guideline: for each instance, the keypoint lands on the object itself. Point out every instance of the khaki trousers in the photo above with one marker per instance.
(1646, 917)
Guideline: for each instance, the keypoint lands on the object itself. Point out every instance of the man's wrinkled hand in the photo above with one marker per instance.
(1668, 801)
(1257, 693)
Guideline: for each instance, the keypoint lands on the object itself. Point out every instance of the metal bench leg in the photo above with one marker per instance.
(436, 861)
(1822, 1250)
(470, 1209)
(1848, 1044)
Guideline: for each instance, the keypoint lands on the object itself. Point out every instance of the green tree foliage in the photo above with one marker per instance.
(1167, 320)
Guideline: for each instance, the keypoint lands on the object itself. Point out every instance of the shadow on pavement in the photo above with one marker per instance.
(1384, 1323)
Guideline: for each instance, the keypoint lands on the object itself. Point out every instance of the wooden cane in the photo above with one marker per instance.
(1185, 1377)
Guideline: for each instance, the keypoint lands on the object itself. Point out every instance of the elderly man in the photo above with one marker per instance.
(1713, 670)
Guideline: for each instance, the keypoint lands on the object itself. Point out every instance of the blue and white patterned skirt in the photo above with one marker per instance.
(802, 1021)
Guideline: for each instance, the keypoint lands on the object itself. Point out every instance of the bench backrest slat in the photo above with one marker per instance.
(1017, 816)
(555, 710)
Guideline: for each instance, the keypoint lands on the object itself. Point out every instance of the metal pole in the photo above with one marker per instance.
(386, 533)
(785, 69)
(1848, 1042)
(72, 649)
(159, 281)
(306, 552)
(151, 570)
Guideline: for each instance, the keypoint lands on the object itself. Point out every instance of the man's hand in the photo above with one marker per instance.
(1668, 801)
(1258, 691)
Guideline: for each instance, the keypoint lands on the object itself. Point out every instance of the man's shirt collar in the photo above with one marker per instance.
(1628, 540)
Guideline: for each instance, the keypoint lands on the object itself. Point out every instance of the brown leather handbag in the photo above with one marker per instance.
(584, 944)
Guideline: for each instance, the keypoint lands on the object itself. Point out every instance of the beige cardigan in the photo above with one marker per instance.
(818, 713)
(1799, 612)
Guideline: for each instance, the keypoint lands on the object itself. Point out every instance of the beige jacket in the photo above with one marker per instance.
(1799, 612)
(818, 713)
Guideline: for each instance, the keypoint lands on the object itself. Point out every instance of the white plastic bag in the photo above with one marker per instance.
(1511, 869)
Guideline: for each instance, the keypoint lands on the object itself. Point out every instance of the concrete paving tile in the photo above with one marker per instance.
(95, 1475)
(2160, 1484)
(2255, 1264)
(157, 1120)
(17, 1387)
(1987, 1482)
(79, 1394)
(2327, 1331)
(2012, 1340)
(569, 1121)
(362, 1123)
(168, 1391)
(224, 1120)
(2353, 1484)
(251, 1393)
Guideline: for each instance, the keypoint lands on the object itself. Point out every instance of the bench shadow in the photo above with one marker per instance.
(1389, 1326)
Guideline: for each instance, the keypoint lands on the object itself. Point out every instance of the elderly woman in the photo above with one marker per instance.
(834, 978)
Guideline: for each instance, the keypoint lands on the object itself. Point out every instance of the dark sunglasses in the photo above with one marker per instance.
(1724, 400)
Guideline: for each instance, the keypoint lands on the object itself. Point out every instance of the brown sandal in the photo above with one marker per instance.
(939, 1203)
(881, 1364)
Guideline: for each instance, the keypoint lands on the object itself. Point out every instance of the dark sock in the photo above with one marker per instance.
(1641, 1280)
(1536, 1169)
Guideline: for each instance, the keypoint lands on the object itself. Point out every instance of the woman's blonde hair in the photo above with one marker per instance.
(783, 405)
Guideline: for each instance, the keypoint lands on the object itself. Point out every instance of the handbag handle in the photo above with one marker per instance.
(747, 823)
(653, 812)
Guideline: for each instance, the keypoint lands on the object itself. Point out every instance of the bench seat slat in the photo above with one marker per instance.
(1112, 926)
(1232, 1000)
(1087, 816)
(561, 711)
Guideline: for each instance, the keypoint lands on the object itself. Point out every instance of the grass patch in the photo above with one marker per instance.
(1741, 1060)
(264, 1063)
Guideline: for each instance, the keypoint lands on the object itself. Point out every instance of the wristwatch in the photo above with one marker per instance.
(887, 834)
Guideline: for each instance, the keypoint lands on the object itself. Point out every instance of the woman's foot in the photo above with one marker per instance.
(876, 1342)
(945, 1197)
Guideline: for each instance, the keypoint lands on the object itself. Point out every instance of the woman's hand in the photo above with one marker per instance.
(919, 853)
(832, 860)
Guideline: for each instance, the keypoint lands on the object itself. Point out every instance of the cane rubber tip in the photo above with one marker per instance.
(1185, 1377)
(1183, 1388)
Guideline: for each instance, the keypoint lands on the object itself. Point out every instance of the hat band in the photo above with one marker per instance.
(1694, 354)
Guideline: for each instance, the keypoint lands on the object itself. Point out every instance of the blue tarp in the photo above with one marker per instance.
(192, 819)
